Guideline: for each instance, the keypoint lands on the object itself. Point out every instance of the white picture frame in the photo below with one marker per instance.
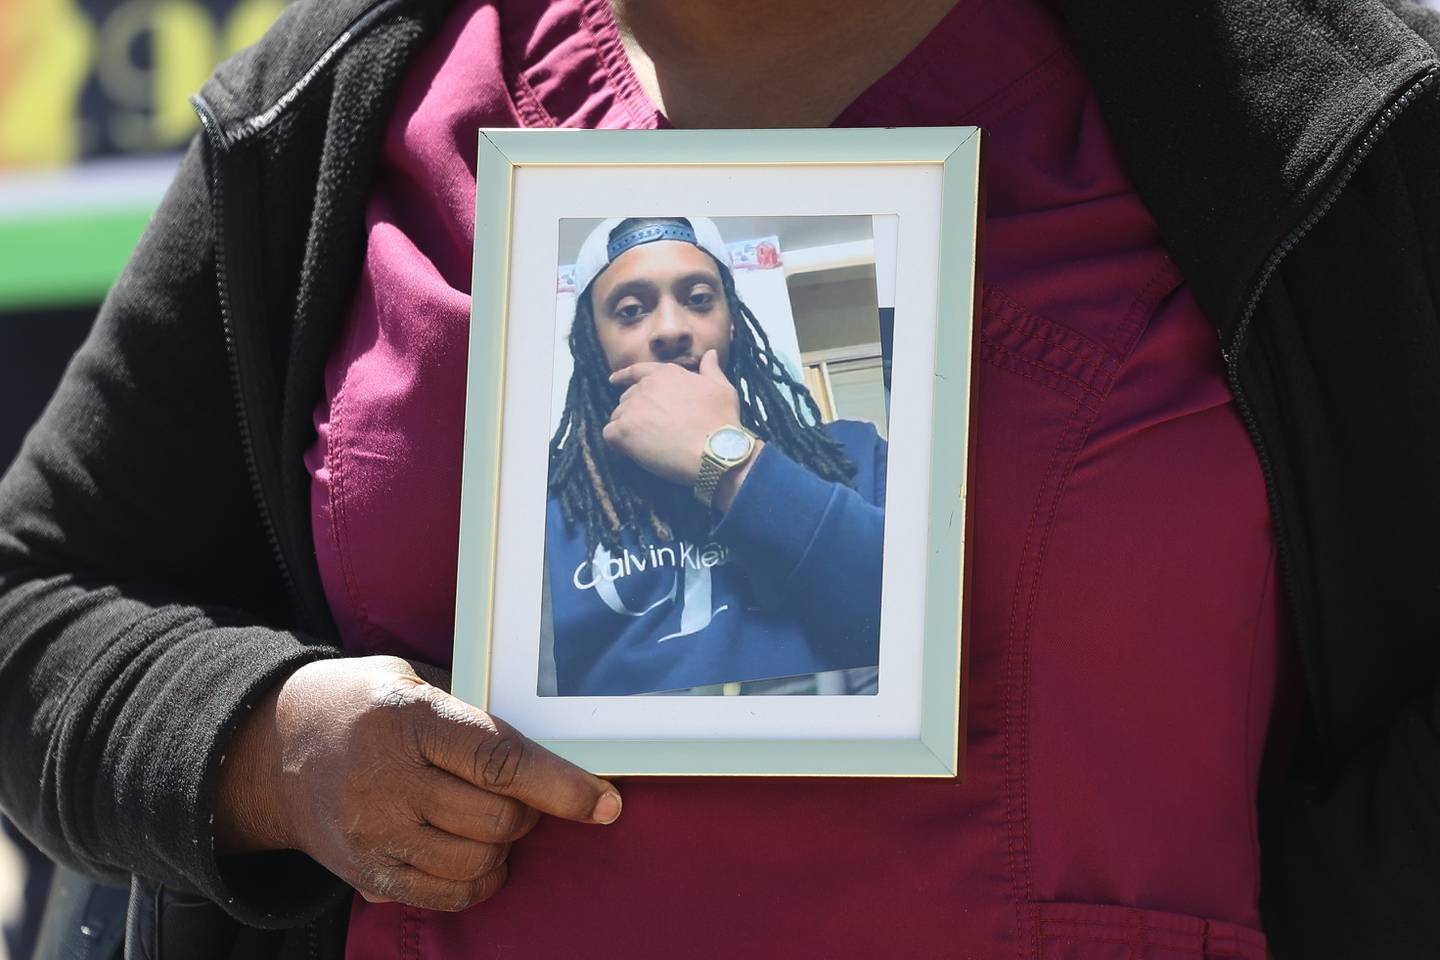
(925, 186)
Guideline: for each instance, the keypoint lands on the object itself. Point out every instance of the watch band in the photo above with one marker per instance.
(708, 479)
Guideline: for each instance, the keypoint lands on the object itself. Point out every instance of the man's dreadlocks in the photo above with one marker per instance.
(610, 495)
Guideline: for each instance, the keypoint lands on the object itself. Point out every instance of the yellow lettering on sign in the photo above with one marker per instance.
(45, 48)
(147, 57)
(185, 53)
(153, 113)
(185, 45)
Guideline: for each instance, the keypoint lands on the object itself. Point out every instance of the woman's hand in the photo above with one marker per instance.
(398, 788)
(667, 413)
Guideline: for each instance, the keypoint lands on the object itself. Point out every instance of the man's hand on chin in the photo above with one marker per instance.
(667, 413)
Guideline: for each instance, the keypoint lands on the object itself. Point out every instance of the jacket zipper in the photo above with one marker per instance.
(241, 386)
(219, 145)
(308, 608)
(1231, 352)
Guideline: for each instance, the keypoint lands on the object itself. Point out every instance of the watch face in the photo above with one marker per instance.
(729, 443)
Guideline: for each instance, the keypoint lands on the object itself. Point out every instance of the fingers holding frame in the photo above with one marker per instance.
(458, 807)
(490, 754)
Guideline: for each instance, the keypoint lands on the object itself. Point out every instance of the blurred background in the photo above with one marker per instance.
(93, 114)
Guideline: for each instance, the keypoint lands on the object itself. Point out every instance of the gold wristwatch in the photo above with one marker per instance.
(725, 449)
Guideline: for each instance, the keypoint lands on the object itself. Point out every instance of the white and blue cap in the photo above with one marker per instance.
(600, 249)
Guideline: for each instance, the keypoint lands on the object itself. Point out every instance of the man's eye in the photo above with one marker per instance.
(629, 311)
(701, 298)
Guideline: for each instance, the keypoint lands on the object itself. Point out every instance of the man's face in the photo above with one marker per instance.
(661, 301)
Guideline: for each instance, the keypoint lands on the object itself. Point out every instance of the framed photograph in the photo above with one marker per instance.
(717, 435)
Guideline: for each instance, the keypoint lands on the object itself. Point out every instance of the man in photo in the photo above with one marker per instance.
(703, 526)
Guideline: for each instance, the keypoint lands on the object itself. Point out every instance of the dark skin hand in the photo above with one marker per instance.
(403, 791)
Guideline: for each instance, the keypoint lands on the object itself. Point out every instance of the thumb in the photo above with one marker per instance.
(710, 367)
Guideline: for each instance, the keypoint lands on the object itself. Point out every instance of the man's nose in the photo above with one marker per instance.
(670, 334)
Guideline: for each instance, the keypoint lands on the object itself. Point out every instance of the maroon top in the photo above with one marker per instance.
(1126, 654)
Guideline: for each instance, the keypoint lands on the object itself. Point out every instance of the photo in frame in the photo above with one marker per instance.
(717, 438)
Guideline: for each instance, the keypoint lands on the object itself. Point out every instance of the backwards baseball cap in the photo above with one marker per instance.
(600, 248)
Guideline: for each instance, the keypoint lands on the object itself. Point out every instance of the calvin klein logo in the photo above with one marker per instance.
(607, 568)
(690, 585)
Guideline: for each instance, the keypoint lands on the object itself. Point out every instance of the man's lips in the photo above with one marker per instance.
(689, 363)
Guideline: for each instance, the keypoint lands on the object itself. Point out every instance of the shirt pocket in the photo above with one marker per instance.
(1091, 931)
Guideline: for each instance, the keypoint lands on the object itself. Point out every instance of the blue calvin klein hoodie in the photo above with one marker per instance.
(786, 583)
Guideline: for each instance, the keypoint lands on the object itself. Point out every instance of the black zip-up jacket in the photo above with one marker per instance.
(157, 573)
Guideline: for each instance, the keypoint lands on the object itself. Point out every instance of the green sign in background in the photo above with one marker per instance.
(64, 260)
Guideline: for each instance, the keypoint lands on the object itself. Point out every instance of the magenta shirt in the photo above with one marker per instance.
(1126, 654)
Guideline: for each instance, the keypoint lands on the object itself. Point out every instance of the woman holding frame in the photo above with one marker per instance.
(1187, 515)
